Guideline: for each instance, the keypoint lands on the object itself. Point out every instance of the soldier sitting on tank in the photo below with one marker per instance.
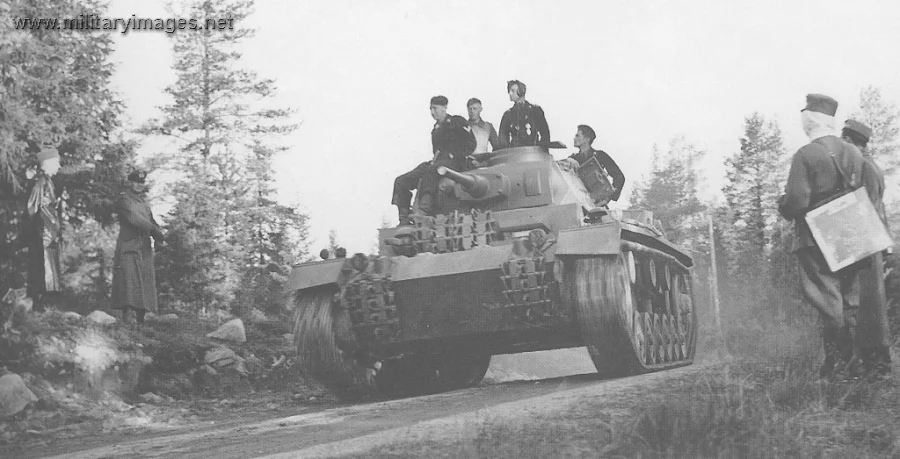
(584, 137)
(524, 123)
(452, 142)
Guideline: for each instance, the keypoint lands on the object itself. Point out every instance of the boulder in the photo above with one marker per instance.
(71, 315)
(169, 318)
(101, 318)
(220, 357)
(14, 395)
(232, 331)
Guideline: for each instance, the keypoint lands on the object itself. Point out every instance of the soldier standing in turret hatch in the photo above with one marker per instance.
(524, 123)
(452, 142)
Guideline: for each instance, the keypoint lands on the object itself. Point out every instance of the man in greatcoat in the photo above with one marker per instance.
(873, 329)
(134, 277)
(819, 171)
(45, 235)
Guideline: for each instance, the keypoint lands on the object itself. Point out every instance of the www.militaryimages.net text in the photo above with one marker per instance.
(90, 22)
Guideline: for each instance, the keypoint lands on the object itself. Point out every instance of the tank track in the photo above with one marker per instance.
(635, 310)
(334, 325)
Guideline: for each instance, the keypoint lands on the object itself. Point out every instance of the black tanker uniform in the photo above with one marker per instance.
(608, 164)
(452, 141)
(524, 124)
(813, 178)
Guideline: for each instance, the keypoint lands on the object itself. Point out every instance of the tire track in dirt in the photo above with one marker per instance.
(355, 429)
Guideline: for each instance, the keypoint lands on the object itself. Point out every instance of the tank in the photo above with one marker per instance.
(519, 257)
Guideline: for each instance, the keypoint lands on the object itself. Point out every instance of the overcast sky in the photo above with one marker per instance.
(361, 73)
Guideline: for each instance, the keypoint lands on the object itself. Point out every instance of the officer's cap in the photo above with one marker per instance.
(439, 100)
(859, 128)
(137, 176)
(48, 153)
(821, 103)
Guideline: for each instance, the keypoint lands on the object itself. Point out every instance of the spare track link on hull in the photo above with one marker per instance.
(635, 310)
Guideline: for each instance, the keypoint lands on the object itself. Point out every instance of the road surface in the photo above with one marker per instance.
(355, 429)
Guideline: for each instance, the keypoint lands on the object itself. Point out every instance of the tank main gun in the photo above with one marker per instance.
(476, 185)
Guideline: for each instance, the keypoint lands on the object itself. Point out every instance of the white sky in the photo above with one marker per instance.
(361, 73)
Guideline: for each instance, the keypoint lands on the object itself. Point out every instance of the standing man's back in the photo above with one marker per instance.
(821, 170)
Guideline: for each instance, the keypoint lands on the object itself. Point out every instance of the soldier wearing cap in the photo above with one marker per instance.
(45, 266)
(524, 123)
(134, 277)
(873, 328)
(452, 142)
(815, 178)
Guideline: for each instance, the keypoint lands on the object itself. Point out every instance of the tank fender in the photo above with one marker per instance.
(604, 239)
(313, 275)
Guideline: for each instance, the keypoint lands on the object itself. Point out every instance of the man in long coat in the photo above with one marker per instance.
(45, 237)
(134, 277)
(873, 329)
(819, 171)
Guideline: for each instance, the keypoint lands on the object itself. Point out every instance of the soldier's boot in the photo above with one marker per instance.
(881, 363)
(855, 367)
(833, 357)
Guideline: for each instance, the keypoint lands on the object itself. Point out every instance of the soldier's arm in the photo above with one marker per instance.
(493, 138)
(542, 126)
(797, 192)
(126, 211)
(616, 173)
(36, 198)
(504, 130)
(463, 134)
(870, 181)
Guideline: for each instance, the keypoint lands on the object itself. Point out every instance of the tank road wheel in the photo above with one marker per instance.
(620, 339)
(605, 309)
(324, 341)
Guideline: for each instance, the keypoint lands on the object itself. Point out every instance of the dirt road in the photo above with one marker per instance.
(355, 429)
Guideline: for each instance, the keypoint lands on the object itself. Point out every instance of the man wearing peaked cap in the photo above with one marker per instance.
(134, 276)
(820, 103)
(814, 179)
(874, 328)
(45, 208)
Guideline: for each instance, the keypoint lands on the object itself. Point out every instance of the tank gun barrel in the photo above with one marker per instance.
(475, 185)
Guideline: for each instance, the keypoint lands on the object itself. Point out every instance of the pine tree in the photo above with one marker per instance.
(670, 192)
(226, 224)
(883, 118)
(760, 267)
(55, 91)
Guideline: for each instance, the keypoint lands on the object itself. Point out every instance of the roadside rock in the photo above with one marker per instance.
(150, 397)
(232, 331)
(167, 319)
(101, 318)
(71, 315)
(14, 395)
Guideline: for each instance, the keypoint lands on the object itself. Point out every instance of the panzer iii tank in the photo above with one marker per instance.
(518, 259)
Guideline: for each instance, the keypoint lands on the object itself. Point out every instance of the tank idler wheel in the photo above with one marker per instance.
(325, 344)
